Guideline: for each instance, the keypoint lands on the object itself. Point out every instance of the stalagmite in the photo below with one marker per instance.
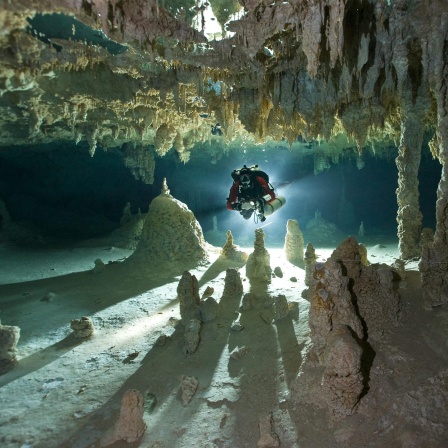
(409, 217)
(377, 302)
(310, 260)
(192, 337)
(170, 233)
(258, 264)
(188, 387)
(281, 307)
(231, 251)
(233, 284)
(99, 266)
(294, 243)
(188, 295)
(209, 309)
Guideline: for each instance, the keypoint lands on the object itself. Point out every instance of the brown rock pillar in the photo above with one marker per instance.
(434, 263)
(409, 217)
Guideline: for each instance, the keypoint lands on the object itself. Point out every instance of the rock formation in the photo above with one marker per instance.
(209, 309)
(336, 80)
(330, 304)
(130, 426)
(294, 243)
(378, 302)
(426, 237)
(376, 299)
(309, 259)
(268, 437)
(99, 266)
(9, 337)
(231, 251)
(343, 381)
(409, 216)
(233, 284)
(258, 264)
(82, 328)
(192, 337)
(188, 387)
(382, 83)
(170, 232)
(188, 295)
(281, 308)
(350, 305)
(363, 252)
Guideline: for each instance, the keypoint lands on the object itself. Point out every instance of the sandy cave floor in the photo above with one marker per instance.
(67, 393)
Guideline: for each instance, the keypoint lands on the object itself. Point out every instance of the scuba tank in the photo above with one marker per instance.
(273, 206)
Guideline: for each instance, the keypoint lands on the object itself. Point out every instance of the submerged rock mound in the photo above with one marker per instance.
(170, 232)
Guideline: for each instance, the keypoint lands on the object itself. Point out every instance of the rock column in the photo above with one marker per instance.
(294, 243)
(409, 217)
(434, 263)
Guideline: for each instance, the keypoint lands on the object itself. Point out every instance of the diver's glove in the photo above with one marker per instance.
(261, 217)
(236, 206)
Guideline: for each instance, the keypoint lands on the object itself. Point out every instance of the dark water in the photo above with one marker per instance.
(65, 193)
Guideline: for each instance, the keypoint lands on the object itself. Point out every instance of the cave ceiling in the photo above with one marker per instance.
(328, 75)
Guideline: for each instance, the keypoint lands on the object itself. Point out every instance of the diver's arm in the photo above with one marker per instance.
(233, 196)
(268, 194)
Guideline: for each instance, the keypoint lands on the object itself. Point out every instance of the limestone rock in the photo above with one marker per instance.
(140, 161)
(170, 233)
(236, 324)
(426, 237)
(248, 301)
(127, 235)
(48, 297)
(258, 264)
(238, 352)
(209, 309)
(342, 382)
(294, 243)
(82, 328)
(231, 251)
(232, 283)
(207, 293)
(9, 337)
(99, 267)
(348, 254)
(363, 252)
(278, 272)
(310, 260)
(330, 304)
(192, 336)
(188, 295)
(281, 307)
(131, 426)
(378, 303)
(188, 387)
(268, 438)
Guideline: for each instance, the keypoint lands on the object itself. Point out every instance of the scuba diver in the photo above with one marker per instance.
(251, 192)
